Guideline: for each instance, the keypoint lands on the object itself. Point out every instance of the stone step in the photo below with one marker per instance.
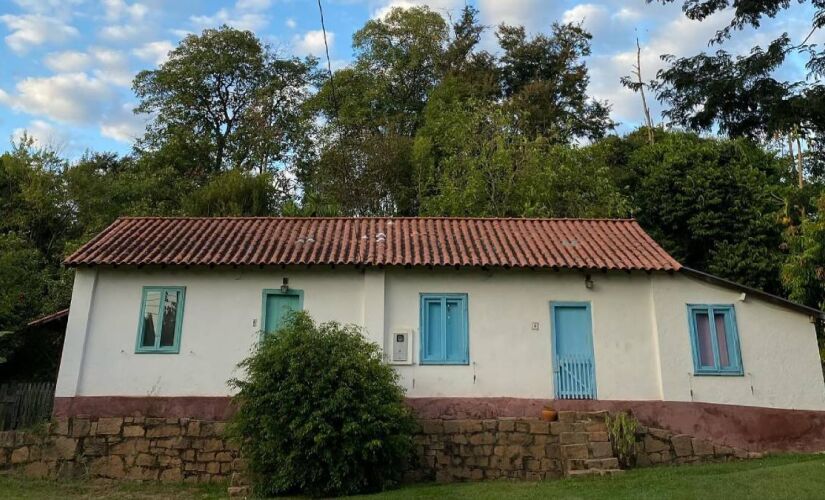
(593, 472)
(592, 463)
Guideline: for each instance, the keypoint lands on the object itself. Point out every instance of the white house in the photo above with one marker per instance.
(488, 317)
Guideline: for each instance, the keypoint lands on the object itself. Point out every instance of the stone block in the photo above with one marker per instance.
(722, 451)
(432, 426)
(145, 460)
(567, 416)
(663, 434)
(223, 456)
(519, 438)
(193, 428)
(60, 427)
(469, 426)
(172, 474)
(574, 451)
(572, 437)
(506, 425)
(682, 445)
(107, 467)
(482, 438)
(213, 467)
(213, 445)
(539, 427)
(490, 425)
(81, 427)
(702, 448)
(65, 447)
(522, 426)
(107, 426)
(598, 436)
(595, 427)
(20, 455)
(167, 430)
(459, 438)
(601, 449)
(557, 428)
(133, 431)
(653, 445)
(452, 426)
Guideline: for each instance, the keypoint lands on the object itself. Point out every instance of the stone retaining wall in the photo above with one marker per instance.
(176, 449)
(516, 448)
(661, 446)
(181, 449)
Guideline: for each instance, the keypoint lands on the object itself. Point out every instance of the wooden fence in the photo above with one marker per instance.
(23, 404)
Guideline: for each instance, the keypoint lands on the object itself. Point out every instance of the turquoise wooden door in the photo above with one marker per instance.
(573, 365)
(276, 308)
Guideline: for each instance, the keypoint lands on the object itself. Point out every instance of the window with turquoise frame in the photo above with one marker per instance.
(161, 316)
(715, 339)
(444, 329)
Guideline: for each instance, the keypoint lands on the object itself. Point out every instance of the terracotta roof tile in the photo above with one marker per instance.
(371, 241)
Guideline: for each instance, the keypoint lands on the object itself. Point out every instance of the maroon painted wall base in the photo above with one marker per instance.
(747, 427)
(196, 407)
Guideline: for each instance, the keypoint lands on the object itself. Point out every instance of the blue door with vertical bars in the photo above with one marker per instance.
(573, 366)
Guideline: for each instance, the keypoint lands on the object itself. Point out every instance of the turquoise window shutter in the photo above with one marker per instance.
(714, 339)
(161, 319)
(444, 329)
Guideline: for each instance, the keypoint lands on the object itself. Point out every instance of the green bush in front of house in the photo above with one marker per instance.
(320, 413)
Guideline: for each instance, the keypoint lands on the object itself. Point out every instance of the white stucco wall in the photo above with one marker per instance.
(640, 330)
(780, 357)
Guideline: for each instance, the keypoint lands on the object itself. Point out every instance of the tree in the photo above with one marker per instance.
(713, 204)
(228, 97)
(743, 95)
(803, 273)
(237, 193)
(375, 110)
(546, 81)
(471, 161)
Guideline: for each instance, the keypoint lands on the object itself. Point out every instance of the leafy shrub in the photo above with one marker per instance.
(622, 430)
(320, 413)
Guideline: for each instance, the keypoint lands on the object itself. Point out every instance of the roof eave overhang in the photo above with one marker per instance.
(767, 297)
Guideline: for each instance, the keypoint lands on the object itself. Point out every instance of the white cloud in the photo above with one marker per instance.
(290, 23)
(123, 125)
(44, 134)
(70, 97)
(440, 6)
(312, 42)
(35, 29)
(112, 66)
(123, 32)
(240, 20)
(253, 4)
(50, 7)
(592, 16)
(69, 61)
(117, 9)
(154, 52)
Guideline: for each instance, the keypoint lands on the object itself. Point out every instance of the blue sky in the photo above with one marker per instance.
(66, 65)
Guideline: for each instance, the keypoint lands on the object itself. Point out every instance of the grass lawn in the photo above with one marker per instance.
(789, 476)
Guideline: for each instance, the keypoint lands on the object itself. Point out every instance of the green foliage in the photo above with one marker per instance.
(714, 204)
(414, 75)
(471, 161)
(229, 95)
(622, 431)
(320, 413)
(804, 271)
(236, 193)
